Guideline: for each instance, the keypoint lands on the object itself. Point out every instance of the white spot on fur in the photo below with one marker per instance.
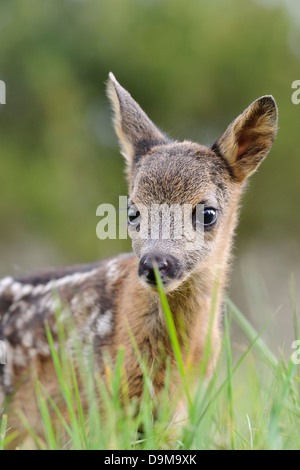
(19, 357)
(28, 312)
(42, 348)
(19, 290)
(104, 324)
(32, 353)
(113, 270)
(5, 283)
(85, 300)
(27, 339)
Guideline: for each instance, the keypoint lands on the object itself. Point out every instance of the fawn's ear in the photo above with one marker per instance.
(249, 138)
(136, 132)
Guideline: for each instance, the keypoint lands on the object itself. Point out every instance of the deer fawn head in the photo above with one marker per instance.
(208, 181)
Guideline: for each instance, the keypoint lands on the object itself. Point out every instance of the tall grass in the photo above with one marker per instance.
(250, 402)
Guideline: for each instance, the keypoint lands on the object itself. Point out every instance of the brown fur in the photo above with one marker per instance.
(109, 298)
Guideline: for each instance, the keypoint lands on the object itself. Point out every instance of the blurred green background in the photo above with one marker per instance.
(193, 65)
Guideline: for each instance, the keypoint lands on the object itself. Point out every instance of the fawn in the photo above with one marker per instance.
(109, 297)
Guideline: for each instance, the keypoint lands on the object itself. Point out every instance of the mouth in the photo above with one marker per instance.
(152, 283)
(168, 284)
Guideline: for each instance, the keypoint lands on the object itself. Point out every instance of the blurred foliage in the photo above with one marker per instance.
(192, 65)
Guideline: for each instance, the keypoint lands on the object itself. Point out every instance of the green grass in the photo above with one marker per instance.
(252, 400)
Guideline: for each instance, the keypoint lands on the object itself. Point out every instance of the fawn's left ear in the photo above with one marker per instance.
(249, 138)
(136, 132)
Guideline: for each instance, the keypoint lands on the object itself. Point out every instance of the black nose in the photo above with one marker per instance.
(167, 266)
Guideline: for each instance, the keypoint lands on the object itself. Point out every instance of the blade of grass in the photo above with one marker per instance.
(81, 419)
(208, 399)
(67, 391)
(250, 431)
(3, 431)
(30, 430)
(208, 346)
(229, 383)
(173, 334)
(294, 307)
(57, 411)
(46, 419)
(285, 376)
(251, 334)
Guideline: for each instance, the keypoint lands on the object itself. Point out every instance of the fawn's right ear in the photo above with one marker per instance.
(249, 138)
(136, 132)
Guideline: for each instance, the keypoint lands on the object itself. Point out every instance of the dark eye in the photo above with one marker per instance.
(209, 216)
(134, 216)
(206, 217)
